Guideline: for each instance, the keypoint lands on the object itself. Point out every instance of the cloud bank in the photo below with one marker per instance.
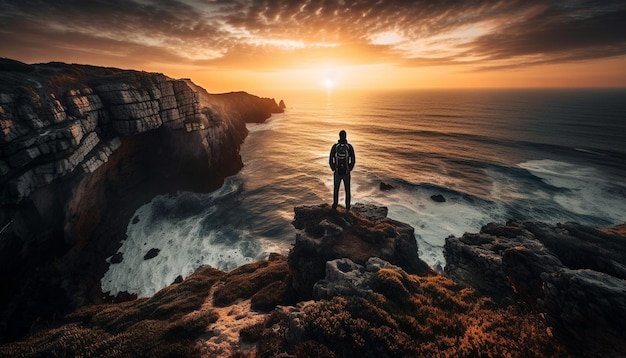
(274, 35)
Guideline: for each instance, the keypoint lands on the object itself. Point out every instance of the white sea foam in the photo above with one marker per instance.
(585, 192)
(184, 243)
(258, 127)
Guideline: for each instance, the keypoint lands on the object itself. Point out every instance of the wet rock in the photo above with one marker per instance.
(438, 198)
(117, 258)
(152, 253)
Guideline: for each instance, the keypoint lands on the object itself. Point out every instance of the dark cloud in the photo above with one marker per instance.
(558, 34)
(293, 33)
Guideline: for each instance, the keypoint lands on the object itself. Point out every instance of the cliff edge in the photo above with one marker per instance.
(360, 306)
(81, 148)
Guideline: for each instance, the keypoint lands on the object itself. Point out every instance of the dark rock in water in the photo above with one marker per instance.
(576, 274)
(178, 279)
(328, 234)
(117, 258)
(281, 104)
(152, 253)
(438, 198)
(135, 220)
(386, 187)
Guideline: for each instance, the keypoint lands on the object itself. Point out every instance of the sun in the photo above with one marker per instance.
(329, 83)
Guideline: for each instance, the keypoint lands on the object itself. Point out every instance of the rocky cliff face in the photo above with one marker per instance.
(575, 274)
(82, 147)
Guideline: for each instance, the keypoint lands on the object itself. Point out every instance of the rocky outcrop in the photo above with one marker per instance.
(575, 274)
(344, 277)
(360, 234)
(81, 148)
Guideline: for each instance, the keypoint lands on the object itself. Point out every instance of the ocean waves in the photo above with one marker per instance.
(493, 155)
(189, 230)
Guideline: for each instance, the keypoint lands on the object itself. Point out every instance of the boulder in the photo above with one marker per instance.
(152, 253)
(438, 198)
(502, 261)
(117, 258)
(326, 234)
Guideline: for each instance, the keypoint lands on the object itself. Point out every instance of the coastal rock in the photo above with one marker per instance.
(438, 198)
(82, 148)
(386, 187)
(500, 261)
(589, 306)
(327, 234)
(117, 258)
(152, 253)
(575, 274)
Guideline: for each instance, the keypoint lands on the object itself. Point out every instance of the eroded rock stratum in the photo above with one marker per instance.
(81, 148)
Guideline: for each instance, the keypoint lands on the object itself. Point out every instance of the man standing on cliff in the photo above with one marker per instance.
(341, 161)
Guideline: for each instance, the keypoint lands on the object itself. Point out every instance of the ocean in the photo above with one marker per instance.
(548, 155)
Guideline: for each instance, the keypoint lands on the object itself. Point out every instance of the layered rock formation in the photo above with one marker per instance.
(82, 148)
(575, 274)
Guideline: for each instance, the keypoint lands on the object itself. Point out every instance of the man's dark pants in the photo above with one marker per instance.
(346, 184)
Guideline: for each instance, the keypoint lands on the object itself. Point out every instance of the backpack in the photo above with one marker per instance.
(342, 158)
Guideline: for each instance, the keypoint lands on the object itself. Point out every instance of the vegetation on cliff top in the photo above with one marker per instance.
(408, 315)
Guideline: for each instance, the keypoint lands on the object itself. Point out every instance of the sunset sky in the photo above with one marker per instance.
(251, 45)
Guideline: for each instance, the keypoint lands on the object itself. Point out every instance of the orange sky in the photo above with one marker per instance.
(279, 45)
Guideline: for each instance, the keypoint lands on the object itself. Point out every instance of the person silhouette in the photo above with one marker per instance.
(341, 161)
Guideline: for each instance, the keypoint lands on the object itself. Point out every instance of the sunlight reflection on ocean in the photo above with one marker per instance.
(548, 155)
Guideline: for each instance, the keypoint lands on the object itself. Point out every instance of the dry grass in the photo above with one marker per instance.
(410, 316)
(265, 282)
(407, 316)
(165, 325)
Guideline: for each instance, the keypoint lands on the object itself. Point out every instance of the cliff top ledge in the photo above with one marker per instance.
(359, 234)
